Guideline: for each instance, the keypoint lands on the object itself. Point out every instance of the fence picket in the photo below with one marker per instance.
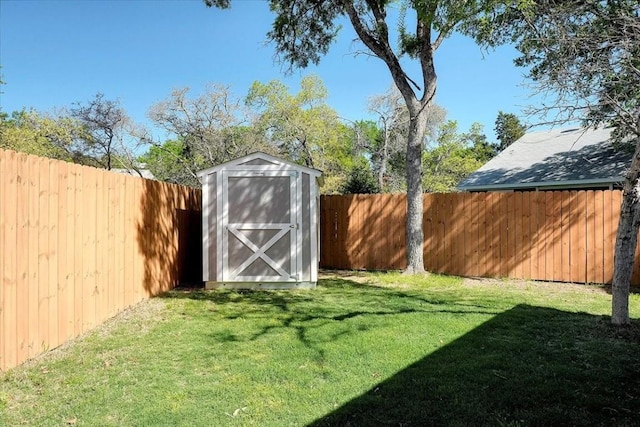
(598, 262)
(581, 251)
(62, 234)
(556, 238)
(22, 255)
(482, 236)
(8, 242)
(561, 236)
(516, 251)
(565, 210)
(53, 201)
(590, 233)
(32, 244)
(470, 229)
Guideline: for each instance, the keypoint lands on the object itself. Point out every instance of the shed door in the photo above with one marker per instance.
(260, 226)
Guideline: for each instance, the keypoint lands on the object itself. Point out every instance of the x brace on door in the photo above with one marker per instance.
(259, 252)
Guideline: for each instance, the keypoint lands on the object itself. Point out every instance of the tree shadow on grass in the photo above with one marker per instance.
(354, 306)
(526, 366)
(337, 299)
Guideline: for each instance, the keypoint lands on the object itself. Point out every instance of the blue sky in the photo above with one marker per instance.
(54, 53)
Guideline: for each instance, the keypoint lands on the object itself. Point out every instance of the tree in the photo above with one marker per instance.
(303, 31)
(481, 149)
(303, 128)
(585, 57)
(105, 128)
(205, 131)
(393, 119)
(450, 158)
(361, 179)
(39, 134)
(508, 129)
(166, 162)
(95, 134)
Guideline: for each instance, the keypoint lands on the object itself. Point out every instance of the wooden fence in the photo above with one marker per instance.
(79, 244)
(566, 236)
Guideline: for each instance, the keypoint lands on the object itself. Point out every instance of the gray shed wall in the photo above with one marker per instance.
(212, 225)
(253, 204)
(306, 230)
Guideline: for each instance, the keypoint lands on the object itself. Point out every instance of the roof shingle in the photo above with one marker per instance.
(569, 157)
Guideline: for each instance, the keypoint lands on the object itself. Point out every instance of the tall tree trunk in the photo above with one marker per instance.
(414, 232)
(626, 241)
(384, 158)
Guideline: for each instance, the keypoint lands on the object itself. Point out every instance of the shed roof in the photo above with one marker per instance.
(565, 158)
(271, 162)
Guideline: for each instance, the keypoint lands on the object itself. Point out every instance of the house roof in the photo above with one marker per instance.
(140, 173)
(559, 158)
(262, 160)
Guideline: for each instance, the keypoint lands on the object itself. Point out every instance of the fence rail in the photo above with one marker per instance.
(566, 236)
(79, 244)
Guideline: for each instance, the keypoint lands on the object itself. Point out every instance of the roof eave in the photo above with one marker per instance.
(571, 184)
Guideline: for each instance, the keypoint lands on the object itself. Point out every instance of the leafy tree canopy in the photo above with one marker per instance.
(361, 179)
(41, 135)
(508, 129)
(303, 128)
(452, 157)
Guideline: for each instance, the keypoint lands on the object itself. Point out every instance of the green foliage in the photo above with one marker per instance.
(303, 31)
(92, 134)
(206, 130)
(41, 135)
(452, 158)
(508, 129)
(223, 4)
(582, 55)
(480, 147)
(166, 163)
(361, 179)
(303, 128)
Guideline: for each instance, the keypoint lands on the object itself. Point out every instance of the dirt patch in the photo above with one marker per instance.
(144, 314)
(353, 275)
(484, 282)
(527, 284)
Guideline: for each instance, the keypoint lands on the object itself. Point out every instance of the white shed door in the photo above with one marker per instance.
(260, 222)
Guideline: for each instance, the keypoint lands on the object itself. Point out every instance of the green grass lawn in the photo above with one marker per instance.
(362, 349)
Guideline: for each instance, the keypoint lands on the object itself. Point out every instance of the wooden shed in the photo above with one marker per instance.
(260, 224)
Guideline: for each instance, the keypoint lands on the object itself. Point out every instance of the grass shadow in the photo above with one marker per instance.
(306, 312)
(521, 365)
(526, 366)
